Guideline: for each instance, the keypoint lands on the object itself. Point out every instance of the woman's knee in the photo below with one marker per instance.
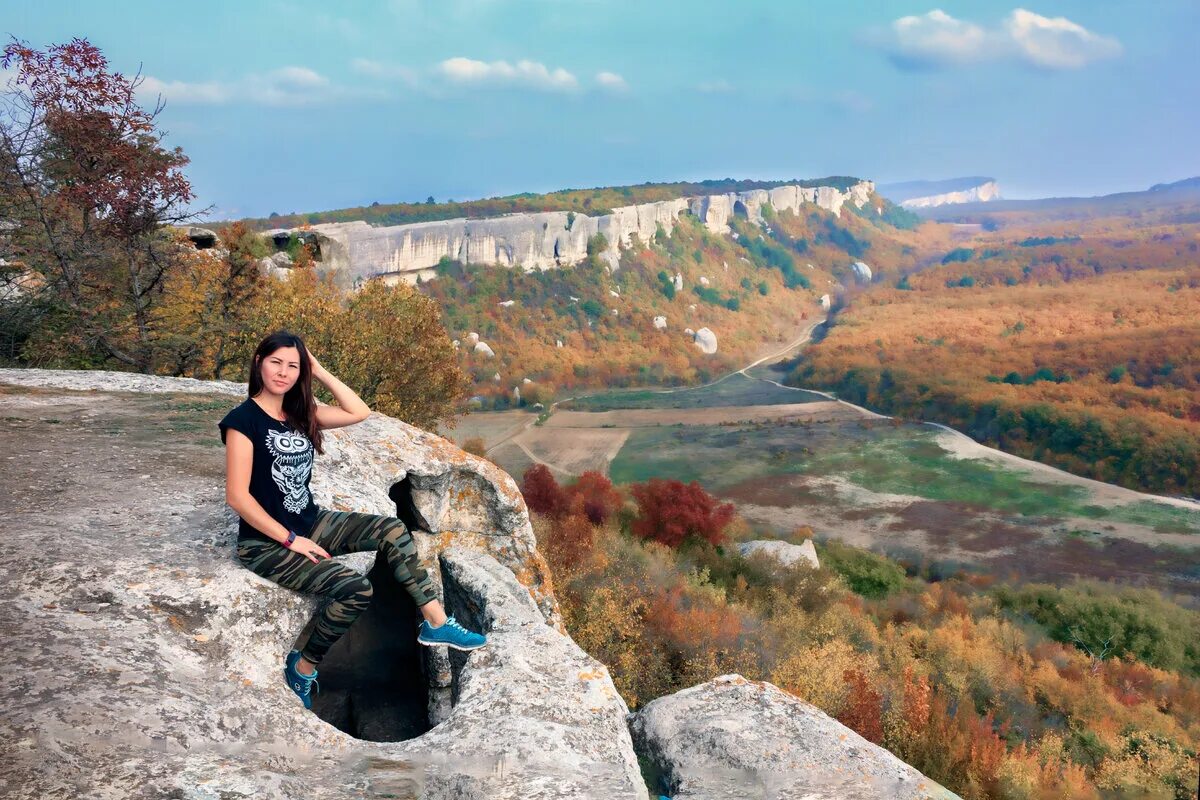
(398, 535)
(357, 591)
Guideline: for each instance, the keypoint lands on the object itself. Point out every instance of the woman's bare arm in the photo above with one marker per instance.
(239, 457)
(350, 408)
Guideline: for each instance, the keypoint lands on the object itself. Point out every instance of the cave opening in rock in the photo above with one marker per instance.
(739, 209)
(373, 682)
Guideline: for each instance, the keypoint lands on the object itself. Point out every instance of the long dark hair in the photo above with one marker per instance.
(298, 404)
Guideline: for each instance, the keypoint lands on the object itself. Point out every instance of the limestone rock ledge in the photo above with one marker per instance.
(545, 240)
(141, 660)
(735, 738)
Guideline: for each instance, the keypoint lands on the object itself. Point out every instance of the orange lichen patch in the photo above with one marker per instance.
(591, 674)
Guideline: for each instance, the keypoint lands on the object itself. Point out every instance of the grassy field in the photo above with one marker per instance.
(883, 458)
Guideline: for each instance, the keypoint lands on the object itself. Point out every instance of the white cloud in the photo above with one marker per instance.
(524, 73)
(936, 39)
(387, 72)
(289, 86)
(611, 81)
(1057, 43)
(184, 93)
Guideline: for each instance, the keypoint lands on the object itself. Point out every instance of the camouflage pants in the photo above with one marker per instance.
(347, 591)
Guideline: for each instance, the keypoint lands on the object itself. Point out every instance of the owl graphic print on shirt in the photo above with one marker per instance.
(292, 459)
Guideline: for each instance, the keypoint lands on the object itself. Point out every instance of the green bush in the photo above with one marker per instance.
(868, 574)
(1135, 623)
(958, 254)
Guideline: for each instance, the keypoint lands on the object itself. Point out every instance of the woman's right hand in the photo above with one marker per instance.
(309, 549)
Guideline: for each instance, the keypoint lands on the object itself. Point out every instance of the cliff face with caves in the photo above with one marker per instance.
(549, 239)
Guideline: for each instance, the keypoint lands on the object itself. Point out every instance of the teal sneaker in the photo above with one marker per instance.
(450, 634)
(298, 681)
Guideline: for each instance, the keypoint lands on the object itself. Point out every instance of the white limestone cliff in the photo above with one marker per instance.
(543, 240)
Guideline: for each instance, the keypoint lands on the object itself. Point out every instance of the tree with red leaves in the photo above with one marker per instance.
(669, 511)
(593, 496)
(86, 189)
(541, 491)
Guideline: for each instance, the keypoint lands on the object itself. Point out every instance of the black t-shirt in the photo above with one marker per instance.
(279, 475)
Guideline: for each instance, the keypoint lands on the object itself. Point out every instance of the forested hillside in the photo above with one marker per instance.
(1078, 346)
(755, 289)
(999, 691)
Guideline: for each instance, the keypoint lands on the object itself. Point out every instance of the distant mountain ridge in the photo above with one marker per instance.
(1174, 201)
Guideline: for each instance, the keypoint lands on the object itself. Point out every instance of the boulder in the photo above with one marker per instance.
(146, 660)
(472, 337)
(703, 280)
(558, 343)
(506, 303)
(706, 340)
(660, 322)
(785, 553)
(678, 281)
(484, 349)
(731, 737)
(825, 302)
(862, 273)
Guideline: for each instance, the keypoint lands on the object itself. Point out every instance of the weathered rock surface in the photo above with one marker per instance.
(706, 340)
(862, 272)
(785, 553)
(544, 240)
(660, 322)
(734, 738)
(143, 661)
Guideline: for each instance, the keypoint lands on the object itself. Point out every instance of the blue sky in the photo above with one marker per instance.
(285, 105)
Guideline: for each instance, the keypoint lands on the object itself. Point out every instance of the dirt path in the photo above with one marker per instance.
(654, 417)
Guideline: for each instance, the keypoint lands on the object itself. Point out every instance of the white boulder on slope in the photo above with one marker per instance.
(706, 340)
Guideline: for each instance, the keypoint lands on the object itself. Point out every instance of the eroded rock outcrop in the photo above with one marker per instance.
(734, 738)
(548, 239)
(144, 661)
(785, 553)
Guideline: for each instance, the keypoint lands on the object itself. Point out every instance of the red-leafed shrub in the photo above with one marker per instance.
(593, 495)
(669, 511)
(542, 493)
(864, 707)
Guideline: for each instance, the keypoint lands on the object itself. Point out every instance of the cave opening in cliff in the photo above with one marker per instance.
(740, 210)
(373, 681)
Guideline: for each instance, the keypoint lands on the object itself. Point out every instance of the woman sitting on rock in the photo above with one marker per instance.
(283, 535)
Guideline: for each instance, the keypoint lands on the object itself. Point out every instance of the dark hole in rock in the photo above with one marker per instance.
(204, 241)
(373, 684)
(739, 209)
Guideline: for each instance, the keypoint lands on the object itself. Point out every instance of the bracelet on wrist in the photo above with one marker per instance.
(291, 538)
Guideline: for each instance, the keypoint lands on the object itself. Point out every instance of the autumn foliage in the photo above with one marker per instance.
(670, 511)
(946, 675)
